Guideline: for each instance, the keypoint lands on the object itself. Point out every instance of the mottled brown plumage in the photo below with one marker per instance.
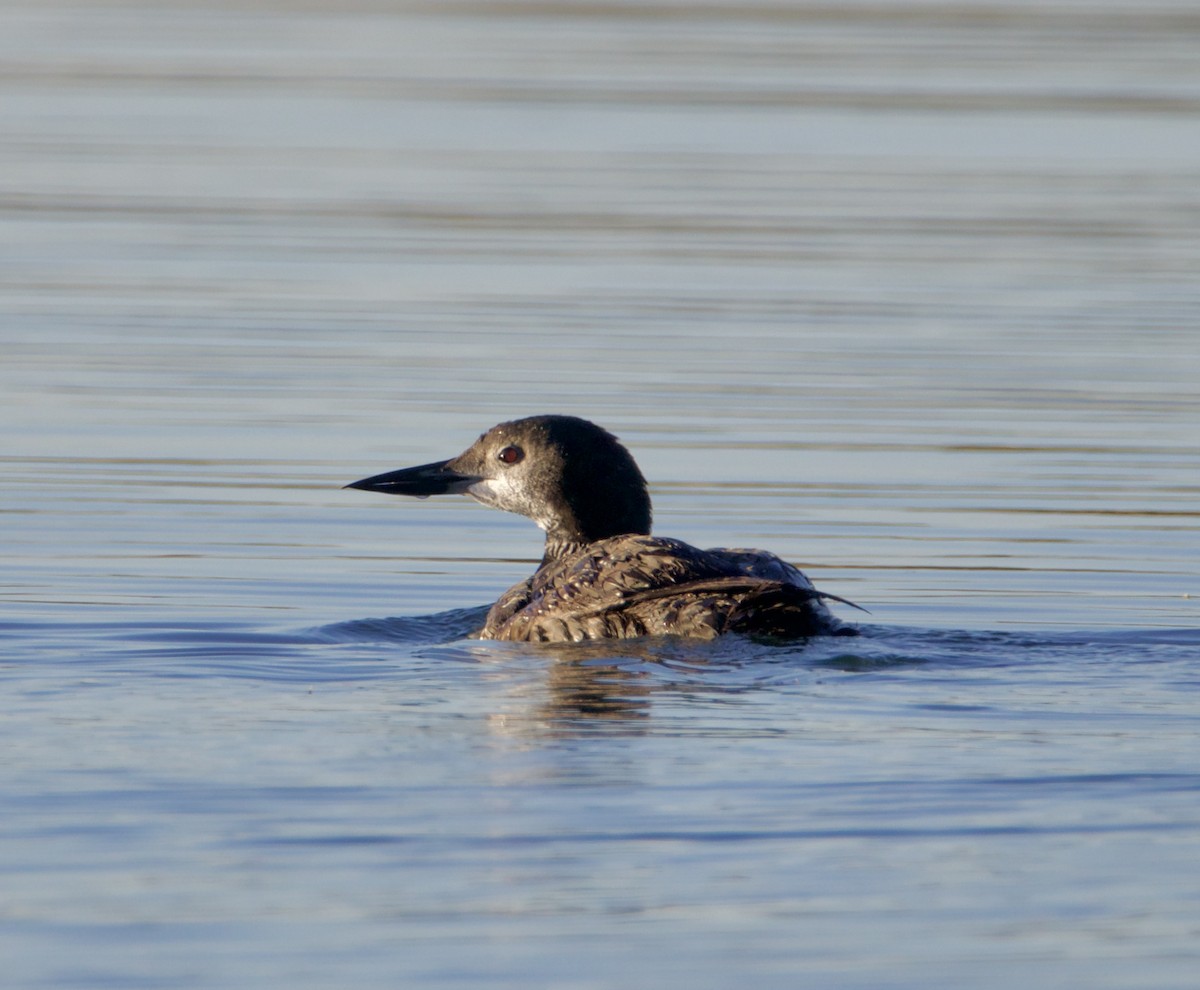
(642, 585)
(603, 576)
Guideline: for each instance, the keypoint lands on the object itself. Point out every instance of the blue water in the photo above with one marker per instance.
(231, 804)
(906, 295)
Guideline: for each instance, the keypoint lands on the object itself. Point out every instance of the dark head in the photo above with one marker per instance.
(568, 475)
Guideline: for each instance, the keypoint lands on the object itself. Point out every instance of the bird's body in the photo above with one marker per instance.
(603, 575)
(640, 585)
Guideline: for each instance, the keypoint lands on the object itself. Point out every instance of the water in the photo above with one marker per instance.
(906, 294)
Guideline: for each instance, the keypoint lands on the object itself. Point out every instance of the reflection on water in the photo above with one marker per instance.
(905, 293)
(578, 693)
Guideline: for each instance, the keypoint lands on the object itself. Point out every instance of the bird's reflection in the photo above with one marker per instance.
(612, 686)
(606, 687)
(582, 688)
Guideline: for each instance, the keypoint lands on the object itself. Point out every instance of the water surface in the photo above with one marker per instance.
(906, 294)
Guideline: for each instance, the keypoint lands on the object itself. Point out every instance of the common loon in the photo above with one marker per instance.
(603, 576)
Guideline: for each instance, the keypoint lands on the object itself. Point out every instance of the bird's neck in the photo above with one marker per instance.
(560, 545)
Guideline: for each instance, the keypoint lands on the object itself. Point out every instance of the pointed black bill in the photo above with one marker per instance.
(420, 481)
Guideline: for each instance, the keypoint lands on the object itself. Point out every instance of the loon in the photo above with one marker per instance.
(603, 576)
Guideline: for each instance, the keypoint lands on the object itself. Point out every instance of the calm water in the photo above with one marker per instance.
(905, 293)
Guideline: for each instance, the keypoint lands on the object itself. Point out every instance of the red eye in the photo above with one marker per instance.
(511, 455)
